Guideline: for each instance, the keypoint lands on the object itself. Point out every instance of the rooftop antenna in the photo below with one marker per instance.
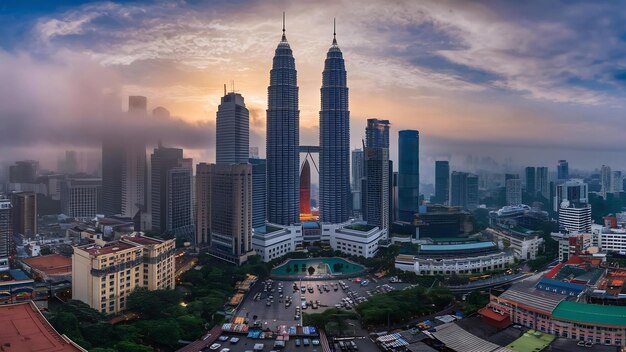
(284, 37)
(224, 89)
(334, 32)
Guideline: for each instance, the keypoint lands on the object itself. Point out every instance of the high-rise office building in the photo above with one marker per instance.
(24, 213)
(464, 190)
(513, 190)
(358, 173)
(305, 189)
(531, 184)
(137, 104)
(112, 165)
(283, 138)
(542, 184)
(24, 171)
(134, 168)
(574, 191)
(230, 220)
(562, 170)
(232, 130)
(6, 232)
(408, 174)
(376, 196)
(203, 203)
(574, 217)
(69, 164)
(376, 190)
(259, 192)
(606, 176)
(124, 167)
(334, 169)
(162, 161)
(442, 182)
(377, 133)
(617, 184)
(81, 197)
(179, 221)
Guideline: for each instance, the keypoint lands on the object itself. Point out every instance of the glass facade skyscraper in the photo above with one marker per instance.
(232, 135)
(334, 197)
(283, 138)
(408, 174)
(442, 182)
(376, 196)
(531, 183)
(562, 170)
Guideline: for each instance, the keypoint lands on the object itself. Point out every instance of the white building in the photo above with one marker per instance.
(524, 246)
(273, 241)
(575, 218)
(608, 239)
(460, 265)
(356, 239)
(573, 244)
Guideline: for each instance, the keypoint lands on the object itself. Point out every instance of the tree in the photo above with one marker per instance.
(191, 327)
(66, 323)
(128, 346)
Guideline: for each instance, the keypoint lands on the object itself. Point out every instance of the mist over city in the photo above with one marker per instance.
(315, 176)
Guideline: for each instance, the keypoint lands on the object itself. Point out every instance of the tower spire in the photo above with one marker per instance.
(284, 39)
(334, 32)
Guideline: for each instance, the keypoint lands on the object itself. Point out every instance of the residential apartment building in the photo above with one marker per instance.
(104, 274)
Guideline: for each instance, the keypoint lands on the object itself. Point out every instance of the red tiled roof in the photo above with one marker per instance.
(553, 271)
(488, 313)
(24, 328)
(52, 264)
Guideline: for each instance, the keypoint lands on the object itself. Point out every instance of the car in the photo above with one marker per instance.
(234, 340)
(297, 342)
(588, 344)
(215, 346)
(581, 343)
(225, 350)
(259, 346)
(315, 342)
(223, 338)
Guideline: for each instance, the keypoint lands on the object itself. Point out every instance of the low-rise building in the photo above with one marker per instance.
(525, 245)
(24, 328)
(460, 258)
(273, 241)
(105, 273)
(356, 239)
(552, 313)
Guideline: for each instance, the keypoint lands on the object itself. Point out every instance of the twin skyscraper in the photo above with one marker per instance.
(283, 139)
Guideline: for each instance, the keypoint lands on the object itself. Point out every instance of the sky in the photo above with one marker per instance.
(486, 83)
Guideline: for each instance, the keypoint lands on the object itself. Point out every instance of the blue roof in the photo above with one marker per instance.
(560, 286)
(457, 247)
(19, 275)
(310, 225)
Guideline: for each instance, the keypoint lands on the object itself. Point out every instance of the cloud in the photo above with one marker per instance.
(70, 100)
(476, 76)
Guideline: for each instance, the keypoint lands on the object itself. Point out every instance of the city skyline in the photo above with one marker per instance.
(443, 82)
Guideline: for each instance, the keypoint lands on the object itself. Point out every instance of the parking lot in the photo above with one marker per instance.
(266, 305)
(246, 344)
(267, 301)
